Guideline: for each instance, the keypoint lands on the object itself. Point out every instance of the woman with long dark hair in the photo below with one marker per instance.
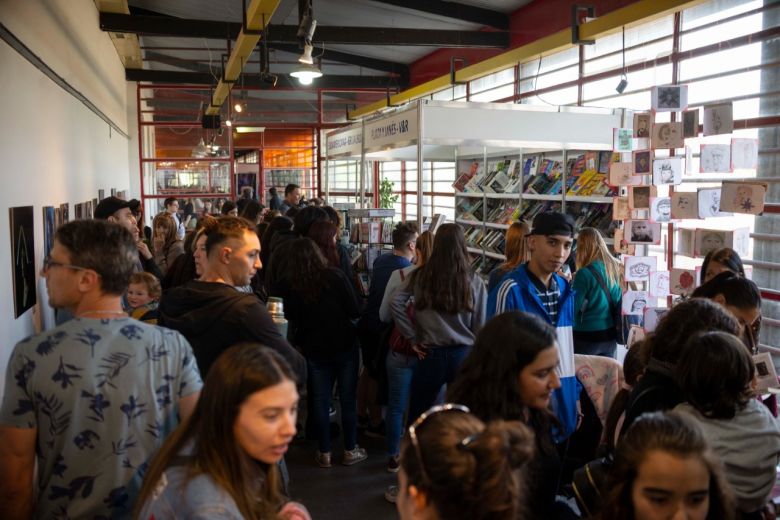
(222, 462)
(325, 234)
(320, 305)
(511, 374)
(449, 308)
(664, 469)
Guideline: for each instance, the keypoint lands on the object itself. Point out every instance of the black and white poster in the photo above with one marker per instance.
(22, 255)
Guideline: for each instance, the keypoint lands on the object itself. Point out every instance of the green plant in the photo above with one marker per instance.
(386, 197)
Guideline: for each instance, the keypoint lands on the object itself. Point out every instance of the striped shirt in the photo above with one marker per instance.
(548, 295)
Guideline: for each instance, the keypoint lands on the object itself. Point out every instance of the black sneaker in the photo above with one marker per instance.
(377, 431)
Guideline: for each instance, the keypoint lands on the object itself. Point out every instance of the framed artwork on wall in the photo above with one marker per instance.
(23, 257)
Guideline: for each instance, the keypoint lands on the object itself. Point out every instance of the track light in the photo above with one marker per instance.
(622, 85)
(238, 107)
(306, 56)
(228, 122)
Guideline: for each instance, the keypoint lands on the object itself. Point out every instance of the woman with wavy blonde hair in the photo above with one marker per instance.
(516, 251)
(597, 270)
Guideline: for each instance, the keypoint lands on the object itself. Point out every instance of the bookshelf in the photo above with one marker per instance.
(371, 231)
(516, 187)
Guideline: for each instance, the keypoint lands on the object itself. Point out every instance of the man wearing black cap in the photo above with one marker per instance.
(118, 211)
(534, 287)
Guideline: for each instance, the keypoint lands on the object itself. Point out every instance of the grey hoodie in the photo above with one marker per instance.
(749, 447)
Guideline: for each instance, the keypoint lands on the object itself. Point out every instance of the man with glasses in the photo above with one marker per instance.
(90, 400)
(211, 313)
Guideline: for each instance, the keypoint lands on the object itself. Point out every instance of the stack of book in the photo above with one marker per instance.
(493, 241)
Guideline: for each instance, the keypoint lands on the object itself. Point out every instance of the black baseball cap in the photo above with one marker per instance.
(109, 206)
(553, 223)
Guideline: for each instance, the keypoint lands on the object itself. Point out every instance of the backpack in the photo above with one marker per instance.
(621, 323)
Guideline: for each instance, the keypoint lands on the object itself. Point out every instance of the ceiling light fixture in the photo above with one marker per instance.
(623, 79)
(305, 74)
(306, 29)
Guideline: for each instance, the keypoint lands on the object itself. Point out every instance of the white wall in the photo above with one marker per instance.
(54, 148)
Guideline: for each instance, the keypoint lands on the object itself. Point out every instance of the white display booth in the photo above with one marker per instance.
(428, 130)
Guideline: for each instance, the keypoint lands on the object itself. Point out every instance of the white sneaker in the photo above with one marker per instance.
(355, 455)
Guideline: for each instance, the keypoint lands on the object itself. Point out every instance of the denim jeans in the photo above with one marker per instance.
(596, 348)
(324, 369)
(437, 368)
(400, 369)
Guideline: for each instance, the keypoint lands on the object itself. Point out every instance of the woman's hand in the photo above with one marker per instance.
(294, 511)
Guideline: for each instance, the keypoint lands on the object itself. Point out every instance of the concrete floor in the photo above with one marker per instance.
(341, 492)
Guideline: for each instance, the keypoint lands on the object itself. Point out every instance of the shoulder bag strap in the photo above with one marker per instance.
(602, 284)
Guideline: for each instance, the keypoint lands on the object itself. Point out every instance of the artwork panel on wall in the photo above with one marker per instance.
(23, 256)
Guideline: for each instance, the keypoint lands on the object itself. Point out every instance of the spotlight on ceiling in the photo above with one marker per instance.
(238, 107)
(306, 74)
(306, 56)
(622, 85)
(228, 122)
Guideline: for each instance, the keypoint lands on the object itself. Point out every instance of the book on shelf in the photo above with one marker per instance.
(463, 179)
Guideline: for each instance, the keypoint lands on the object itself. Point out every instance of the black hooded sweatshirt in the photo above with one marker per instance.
(214, 316)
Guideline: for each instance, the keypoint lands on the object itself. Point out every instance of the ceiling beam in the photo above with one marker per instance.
(467, 13)
(254, 80)
(143, 25)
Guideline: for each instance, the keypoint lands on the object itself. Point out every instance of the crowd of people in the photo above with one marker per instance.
(168, 390)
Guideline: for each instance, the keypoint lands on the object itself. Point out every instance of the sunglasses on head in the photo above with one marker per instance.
(447, 407)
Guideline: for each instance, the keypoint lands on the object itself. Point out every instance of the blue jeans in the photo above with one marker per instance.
(596, 348)
(436, 369)
(323, 370)
(400, 369)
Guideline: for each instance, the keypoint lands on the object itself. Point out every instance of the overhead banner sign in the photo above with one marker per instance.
(396, 128)
(346, 142)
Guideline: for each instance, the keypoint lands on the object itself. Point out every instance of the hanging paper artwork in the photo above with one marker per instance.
(718, 119)
(621, 139)
(685, 205)
(667, 135)
(709, 203)
(642, 123)
(643, 161)
(659, 284)
(682, 281)
(744, 154)
(639, 196)
(691, 123)
(652, 315)
(621, 174)
(638, 268)
(743, 197)
(634, 302)
(685, 241)
(621, 245)
(715, 158)
(643, 232)
(667, 171)
(620, 209)
(660, 209)
(708, 240)
(669, 98)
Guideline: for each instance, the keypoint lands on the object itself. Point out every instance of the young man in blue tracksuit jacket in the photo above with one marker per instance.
(534, 287)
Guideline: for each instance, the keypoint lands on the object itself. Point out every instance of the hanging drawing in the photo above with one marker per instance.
(652, 315)
(667, 171)
(642, 123)
(621, 245)
(685, 205)
(715, 158)
(686, 239)
(744, 154)
(718, 119)
(634, 302)
(620, 209)
(643, 160)
(708, 240)
(682, 281)
(621, 174)
(23, 257)
(639, 196)
(659, 284)
(643, 232)
(638, 268)
(669, 98)
(691, 123)
(709, 203)
(660, 209)
(49, 227)
(743, 197)
(667, 135)
(621, 139)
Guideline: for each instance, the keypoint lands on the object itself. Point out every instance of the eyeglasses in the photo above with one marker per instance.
(419, 422)
(48, 263)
